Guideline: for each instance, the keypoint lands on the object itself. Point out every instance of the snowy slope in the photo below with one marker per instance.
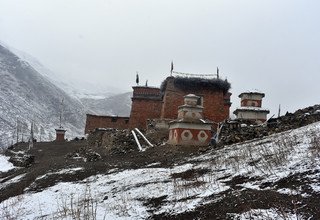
(122, 194)
(5, 165)
(25, 96)
(97, 98)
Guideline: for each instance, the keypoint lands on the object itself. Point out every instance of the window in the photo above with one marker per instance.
(114, 119)
(200, 100)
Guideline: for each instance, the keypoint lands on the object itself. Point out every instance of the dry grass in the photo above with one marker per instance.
(79, 207)
(12, 209)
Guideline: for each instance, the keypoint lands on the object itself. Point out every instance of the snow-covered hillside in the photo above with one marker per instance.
(97, 97)
(32, 92)
(25, 96)
(277, 177)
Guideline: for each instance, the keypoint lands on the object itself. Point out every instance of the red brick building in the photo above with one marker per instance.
(146, 104)
(60, 133)
(162, 103)
(214, 96)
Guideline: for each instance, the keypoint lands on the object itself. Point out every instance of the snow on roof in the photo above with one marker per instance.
(252, 91)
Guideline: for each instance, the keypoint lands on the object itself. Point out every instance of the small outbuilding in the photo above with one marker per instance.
(60, 134)
(251, 107)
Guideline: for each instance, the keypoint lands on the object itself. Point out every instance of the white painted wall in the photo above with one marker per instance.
(252, 115)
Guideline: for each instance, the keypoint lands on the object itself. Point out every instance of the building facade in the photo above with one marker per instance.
(162, 103)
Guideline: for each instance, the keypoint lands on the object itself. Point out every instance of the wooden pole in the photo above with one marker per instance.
(151, 145)
(136, 139)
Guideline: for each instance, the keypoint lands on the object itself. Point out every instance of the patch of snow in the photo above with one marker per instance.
(249, 186)
(265, 214)
(17, 152)
(68, 171)
(5, 165)
(288, 191)
(13, 180)
(315, 187)
(153, 164)
(251, 108)
(60, 172)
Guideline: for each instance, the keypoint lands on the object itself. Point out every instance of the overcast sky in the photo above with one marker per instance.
(269, 45)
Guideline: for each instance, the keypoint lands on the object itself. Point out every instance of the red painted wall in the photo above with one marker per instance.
(216, 104)
(143, 109)
(59, 137)
(95, 121)
(146, 104)
(250, 102)
(60, 133)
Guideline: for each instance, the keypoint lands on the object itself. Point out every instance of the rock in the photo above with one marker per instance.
(22, 161)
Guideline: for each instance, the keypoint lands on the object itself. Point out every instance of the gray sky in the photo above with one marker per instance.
(269, 45)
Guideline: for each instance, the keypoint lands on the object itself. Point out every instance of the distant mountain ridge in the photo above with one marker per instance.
(119, 105)
(77, 88)
(30, 92)
(25, 96)
(97, 98)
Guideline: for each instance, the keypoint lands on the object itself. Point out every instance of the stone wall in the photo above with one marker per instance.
(231, 134)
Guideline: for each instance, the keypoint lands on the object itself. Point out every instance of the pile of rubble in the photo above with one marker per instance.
(25, 160)
(239, 131)
(86, 153)
(116, 141)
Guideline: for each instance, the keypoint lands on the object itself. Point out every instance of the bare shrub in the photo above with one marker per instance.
(82, 206)
(121, 206)
(314, 144)
(12, 209)
(190, 183)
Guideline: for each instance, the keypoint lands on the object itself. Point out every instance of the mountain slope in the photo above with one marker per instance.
(119, 104)
(78, 87)
(276, 177)
(25, 96)
(98, 98)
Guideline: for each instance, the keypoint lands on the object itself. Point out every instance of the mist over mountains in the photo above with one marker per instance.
(75, 87)
(119, 105)
(29, 94)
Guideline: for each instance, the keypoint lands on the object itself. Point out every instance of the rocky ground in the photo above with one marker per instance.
(121, 153)
(244, 131)
(267, 177)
